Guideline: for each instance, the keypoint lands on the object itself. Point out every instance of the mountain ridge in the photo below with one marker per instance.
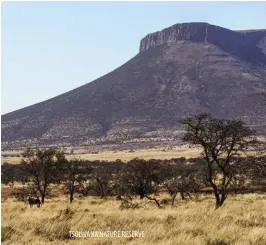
(149, 94)
(242, 44)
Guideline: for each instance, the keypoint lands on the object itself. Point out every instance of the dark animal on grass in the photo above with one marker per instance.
(34, 201)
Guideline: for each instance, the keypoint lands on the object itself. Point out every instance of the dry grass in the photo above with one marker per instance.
(143, 154)
(125, 155)
(13, 160)
(177, 152)
(242, 221)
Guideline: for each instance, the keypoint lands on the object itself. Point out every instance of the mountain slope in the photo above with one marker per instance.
(171, 77)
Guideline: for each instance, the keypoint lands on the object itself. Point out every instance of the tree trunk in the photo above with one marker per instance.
(223, 197)
(173, 199)
(217, 198)
(182, 195)
(220, 199)
(101, 188)
(71, 196)
(214, 187)
(43, 196)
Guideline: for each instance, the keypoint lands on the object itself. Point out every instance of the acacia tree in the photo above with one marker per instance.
(84, 181)
(13, 173)
(41, 166)
(102, 181)
(184, 180)
(222, 141)
(72, 172)
(143, 178)
(255, 170)
(8, 174)
(241, 169)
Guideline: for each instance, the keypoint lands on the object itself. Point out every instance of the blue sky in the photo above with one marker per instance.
(52, 47)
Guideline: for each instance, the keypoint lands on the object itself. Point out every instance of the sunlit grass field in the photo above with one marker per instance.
(122, 155)
(142, 154)
(241, 221)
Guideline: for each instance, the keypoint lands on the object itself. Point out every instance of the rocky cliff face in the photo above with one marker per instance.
(249, 45)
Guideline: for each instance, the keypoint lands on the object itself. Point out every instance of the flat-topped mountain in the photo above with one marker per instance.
(182, 70)
(250, 45)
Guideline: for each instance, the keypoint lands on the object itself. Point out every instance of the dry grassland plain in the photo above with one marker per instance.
(241, 221)
(122, 155)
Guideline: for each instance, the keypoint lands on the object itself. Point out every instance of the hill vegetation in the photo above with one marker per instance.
(147, 96)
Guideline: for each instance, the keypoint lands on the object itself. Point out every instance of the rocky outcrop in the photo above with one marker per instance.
(249, 45)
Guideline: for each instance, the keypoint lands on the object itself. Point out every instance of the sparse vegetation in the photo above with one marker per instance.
(221, 141)
(118, 195)
(241, 221)
(42, 168)
(110, 155)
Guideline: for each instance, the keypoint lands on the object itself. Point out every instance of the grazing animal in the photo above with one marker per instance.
(34, 201)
